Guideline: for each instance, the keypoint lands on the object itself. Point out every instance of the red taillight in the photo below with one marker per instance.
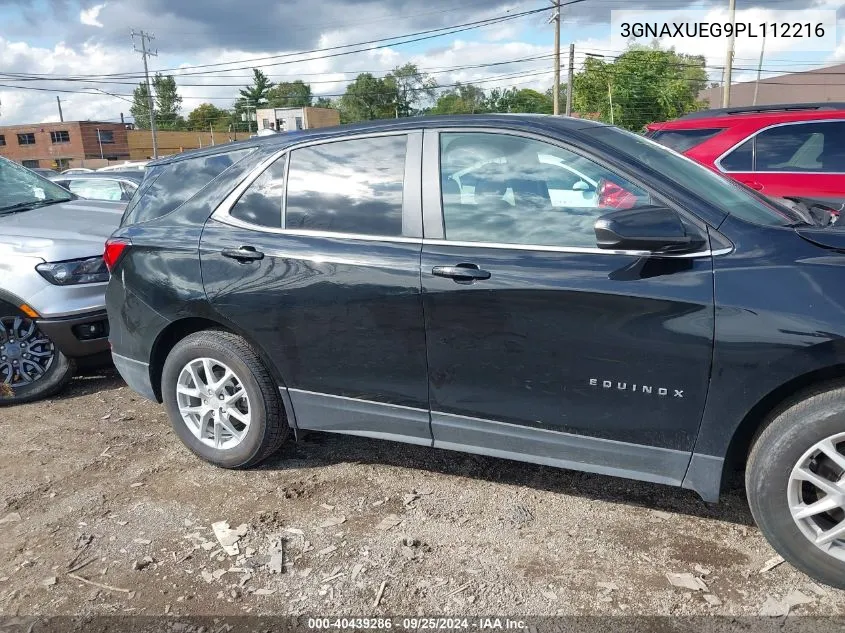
(612, 196)
(115, 248)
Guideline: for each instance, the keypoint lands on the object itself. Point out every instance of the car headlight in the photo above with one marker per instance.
(90, 270)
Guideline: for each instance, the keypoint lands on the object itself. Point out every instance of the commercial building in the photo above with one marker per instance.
(291, 119)
(810, 86)
(63, 145)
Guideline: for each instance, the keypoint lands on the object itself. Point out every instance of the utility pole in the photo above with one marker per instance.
(100, 142)
(570, 80)
(556, 18)
(759, 69)
(59, 102)
(146, 38)
(729, 60)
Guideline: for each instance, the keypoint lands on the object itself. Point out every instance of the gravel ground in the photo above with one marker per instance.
(104, 512)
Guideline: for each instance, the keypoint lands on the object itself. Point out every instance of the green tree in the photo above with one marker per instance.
(324, 102)
(206, 116)
(167, 104)
(289, 94)
(462, 99)
(514, 100)
(255, 95)
(368, 98)
(414, 89)
(645, 84)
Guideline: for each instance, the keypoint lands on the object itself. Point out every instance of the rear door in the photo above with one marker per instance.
(540, 345)
(801, 159)
(327, 284)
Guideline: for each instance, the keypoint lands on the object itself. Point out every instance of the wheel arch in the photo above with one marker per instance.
(177, 330)
(771, 405)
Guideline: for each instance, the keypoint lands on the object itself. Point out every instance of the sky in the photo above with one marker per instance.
(89, 41)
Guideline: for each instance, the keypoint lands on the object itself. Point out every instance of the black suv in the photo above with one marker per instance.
(538, 288)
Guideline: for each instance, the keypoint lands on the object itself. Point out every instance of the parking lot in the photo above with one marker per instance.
(104, 512)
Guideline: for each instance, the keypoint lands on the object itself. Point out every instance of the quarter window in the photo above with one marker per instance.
(350, 186)
(167, 187)
(511, 190)
(261, 203)
(682, 140)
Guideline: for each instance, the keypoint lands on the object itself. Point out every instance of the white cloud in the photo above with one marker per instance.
(90, 16)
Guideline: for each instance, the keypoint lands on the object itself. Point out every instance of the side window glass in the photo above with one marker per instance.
(96, 189)
(352, 186)
(805, 147)
(167, 187)
(261, 203)
(741, 159)
(512, 190)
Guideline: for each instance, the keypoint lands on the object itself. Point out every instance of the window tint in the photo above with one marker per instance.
(349, 186)
(682, 140)
(166, 187)
(719, 191)
(511, 190)
(805, 147)
(741, 159)
(261, 203)
(96, 189)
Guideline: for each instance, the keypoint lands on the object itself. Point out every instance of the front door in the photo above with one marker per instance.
(328, 283)
(541, 346)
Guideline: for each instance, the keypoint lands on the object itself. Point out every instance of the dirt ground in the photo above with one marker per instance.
(102, 511)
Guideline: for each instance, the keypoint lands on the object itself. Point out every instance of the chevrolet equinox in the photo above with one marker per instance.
(542, 289)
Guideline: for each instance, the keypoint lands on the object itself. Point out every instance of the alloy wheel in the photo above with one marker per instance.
(816, 495)
(213, 403)
(25, 353)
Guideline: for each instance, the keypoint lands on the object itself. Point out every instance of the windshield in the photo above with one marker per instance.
(21, 188)
(719, 191)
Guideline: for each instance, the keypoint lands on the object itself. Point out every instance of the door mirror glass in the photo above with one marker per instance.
(654, 229)
(581, 186)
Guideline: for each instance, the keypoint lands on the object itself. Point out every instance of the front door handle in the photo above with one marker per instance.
(753, 184)
(243, 254)
(461, 272)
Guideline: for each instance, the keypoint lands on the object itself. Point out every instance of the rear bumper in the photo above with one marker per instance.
(136, 374)
(80, 335)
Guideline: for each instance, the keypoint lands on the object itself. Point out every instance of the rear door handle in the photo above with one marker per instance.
(243, 254)
(461, 272)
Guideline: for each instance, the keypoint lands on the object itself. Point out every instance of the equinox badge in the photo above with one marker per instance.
(647, 389)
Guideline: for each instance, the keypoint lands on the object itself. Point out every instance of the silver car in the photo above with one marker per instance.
(52, 283)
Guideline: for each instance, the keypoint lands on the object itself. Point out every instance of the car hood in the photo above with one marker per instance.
(66, 230)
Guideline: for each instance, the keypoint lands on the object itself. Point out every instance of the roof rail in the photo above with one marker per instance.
(785, 107)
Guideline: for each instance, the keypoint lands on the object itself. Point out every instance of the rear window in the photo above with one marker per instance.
(682, 140)
(167, 187)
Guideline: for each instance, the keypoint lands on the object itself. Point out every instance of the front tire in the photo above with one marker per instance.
(795, 480)
(222, 401)
(31, 366)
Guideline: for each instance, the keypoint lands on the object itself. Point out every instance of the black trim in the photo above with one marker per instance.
(61, 332)
(136, 374)
(788, 107)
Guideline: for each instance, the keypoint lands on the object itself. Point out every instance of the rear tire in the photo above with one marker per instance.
(804, 442)
(222, 401)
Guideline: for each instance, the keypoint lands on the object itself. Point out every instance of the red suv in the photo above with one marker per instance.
(794, 151)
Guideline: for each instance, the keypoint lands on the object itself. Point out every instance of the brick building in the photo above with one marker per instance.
(291, 119)
(63, 145)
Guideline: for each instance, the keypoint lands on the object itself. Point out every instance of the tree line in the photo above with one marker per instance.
(642, 85)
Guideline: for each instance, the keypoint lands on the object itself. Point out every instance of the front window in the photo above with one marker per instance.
(504, 189)
(718, 191)
(22, 189)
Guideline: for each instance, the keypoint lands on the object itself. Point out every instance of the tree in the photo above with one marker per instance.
(368, 98)
(462, 99)
(646, 84)
(289, 94)
(524, 100)
(167, 104)
(255, 95)
(206, 116)
(413, 89)
(324, 102)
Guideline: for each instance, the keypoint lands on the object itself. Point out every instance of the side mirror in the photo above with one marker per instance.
(654, 229)
(581, 186)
